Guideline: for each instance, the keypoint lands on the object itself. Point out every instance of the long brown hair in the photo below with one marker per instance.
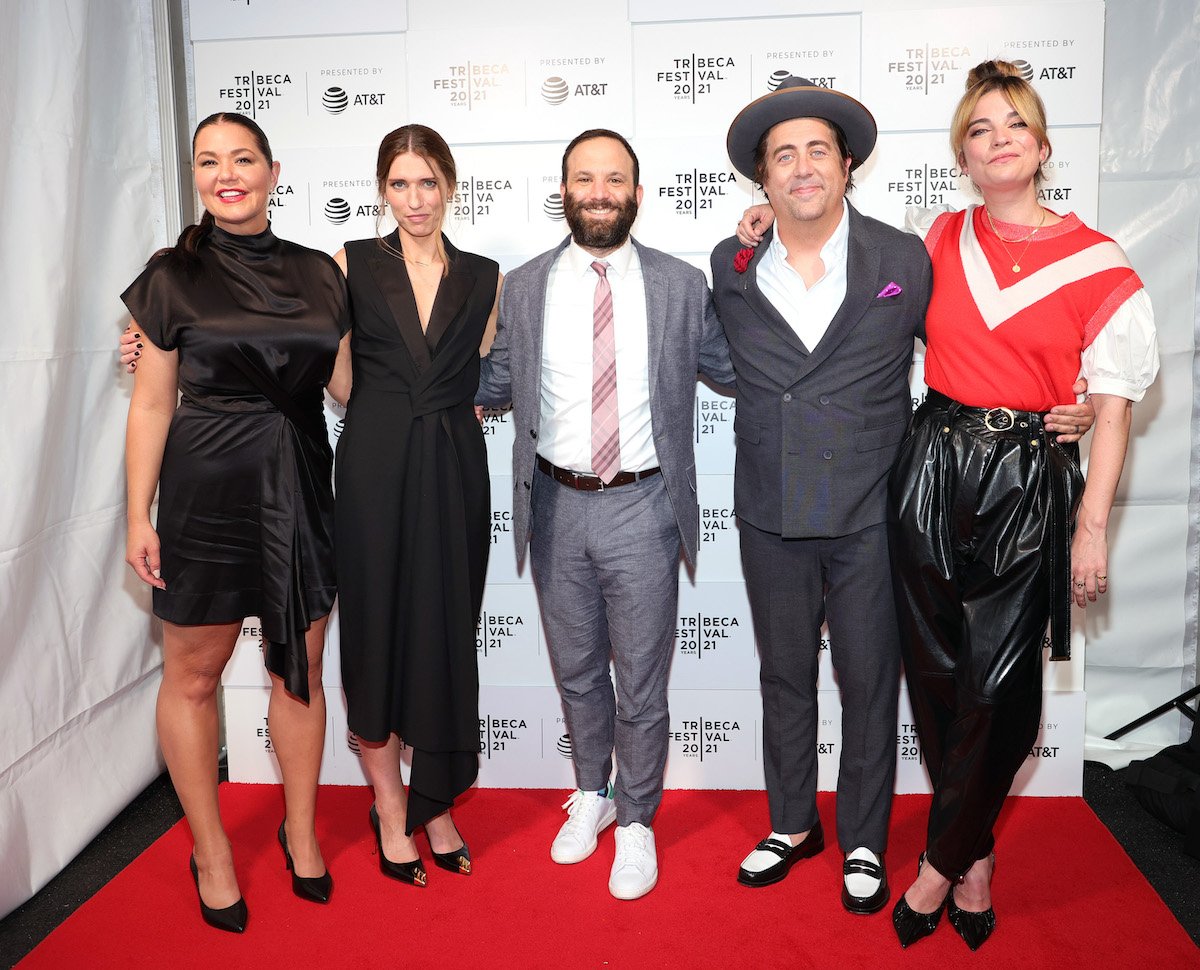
(187, 246)
(1005, 77)
(425, 143)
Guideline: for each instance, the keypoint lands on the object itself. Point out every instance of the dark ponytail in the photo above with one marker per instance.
(186, 251)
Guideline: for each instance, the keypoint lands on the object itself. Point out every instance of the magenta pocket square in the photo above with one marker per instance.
(892, 289)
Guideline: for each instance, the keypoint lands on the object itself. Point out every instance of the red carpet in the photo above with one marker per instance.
(1066, 894)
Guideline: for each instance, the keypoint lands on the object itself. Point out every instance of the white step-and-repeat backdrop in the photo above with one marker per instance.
(326, 82)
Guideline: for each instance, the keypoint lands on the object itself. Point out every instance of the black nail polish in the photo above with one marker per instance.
(137, 353)
(137, 336)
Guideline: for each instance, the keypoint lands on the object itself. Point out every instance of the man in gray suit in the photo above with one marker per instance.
(604, 490)
(820, 322)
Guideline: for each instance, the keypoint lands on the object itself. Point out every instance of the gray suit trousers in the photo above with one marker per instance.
(793, 584)
(606, 569)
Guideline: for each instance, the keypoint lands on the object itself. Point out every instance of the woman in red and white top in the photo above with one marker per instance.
(983, 498)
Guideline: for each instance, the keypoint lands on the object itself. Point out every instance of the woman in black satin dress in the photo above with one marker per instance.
(413, 506)
(246, 327)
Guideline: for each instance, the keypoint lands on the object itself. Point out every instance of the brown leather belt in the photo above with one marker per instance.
(590, 483)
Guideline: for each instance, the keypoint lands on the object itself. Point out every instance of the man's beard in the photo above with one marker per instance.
(595, 235)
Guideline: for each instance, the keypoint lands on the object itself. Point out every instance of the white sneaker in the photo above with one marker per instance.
(635, 869)
(589, 814)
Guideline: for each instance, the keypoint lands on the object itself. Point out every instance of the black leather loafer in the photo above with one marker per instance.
(789, 855)
(865, 905)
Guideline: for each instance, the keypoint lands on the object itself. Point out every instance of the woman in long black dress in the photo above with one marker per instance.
(246, 327)
(413, 506)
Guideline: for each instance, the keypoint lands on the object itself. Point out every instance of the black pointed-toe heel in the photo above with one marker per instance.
(316, 889)
(458, 860)
(911, 925)
(412, 873)
(973, 927)
(232, 919)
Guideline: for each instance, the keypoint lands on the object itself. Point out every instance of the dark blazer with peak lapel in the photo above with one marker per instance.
(825, 423)
(685, 339)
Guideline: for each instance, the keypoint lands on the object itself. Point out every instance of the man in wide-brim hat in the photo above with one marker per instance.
(820, 320)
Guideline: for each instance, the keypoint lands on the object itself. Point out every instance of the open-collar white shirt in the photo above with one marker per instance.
(807, 310)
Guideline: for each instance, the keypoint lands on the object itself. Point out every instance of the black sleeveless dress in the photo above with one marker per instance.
(245, 507)
(413, 507)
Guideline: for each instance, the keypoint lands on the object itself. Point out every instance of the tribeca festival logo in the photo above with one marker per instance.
(926, 185)
(712, 414)
(256, 91)
(500, 734)
(696, 191)
(475, 198)
(501, 518)
(715, 521)
(495, 631)
(263, 733)
(695, 75)
(922, 68)
(469, 84)
(908, 744)
(701, 635)
(492, 419)
(705, 737)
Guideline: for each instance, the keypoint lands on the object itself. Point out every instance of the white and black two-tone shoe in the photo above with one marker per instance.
(774, 857)
(864, 882)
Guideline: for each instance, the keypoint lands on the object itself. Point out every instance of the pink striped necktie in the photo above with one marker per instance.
(606, 431)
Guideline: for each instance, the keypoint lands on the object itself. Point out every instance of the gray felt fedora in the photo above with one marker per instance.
(798, 97)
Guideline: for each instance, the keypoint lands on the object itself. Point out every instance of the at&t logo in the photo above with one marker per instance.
(553, 207)
(555, 90)
(337, 210)
(337, 99)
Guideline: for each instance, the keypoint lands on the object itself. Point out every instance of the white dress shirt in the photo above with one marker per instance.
(808, 310)
(565, 436)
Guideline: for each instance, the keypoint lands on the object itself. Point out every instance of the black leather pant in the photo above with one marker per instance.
(981, 512)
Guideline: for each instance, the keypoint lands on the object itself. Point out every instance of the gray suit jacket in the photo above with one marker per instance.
(685, 339)
(818, 428)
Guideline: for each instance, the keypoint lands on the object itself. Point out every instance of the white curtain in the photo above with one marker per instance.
(82, 208)
(1141, 641)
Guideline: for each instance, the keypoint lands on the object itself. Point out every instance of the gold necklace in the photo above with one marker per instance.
(1027, 240)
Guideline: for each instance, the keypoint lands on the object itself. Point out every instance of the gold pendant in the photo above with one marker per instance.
(1016, 268)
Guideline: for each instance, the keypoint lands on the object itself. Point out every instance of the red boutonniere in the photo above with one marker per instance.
(741, 259)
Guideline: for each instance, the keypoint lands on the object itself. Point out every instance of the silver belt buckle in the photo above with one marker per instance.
(1000, 419)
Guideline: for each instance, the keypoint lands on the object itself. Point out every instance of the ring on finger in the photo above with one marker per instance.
(1080, 585)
